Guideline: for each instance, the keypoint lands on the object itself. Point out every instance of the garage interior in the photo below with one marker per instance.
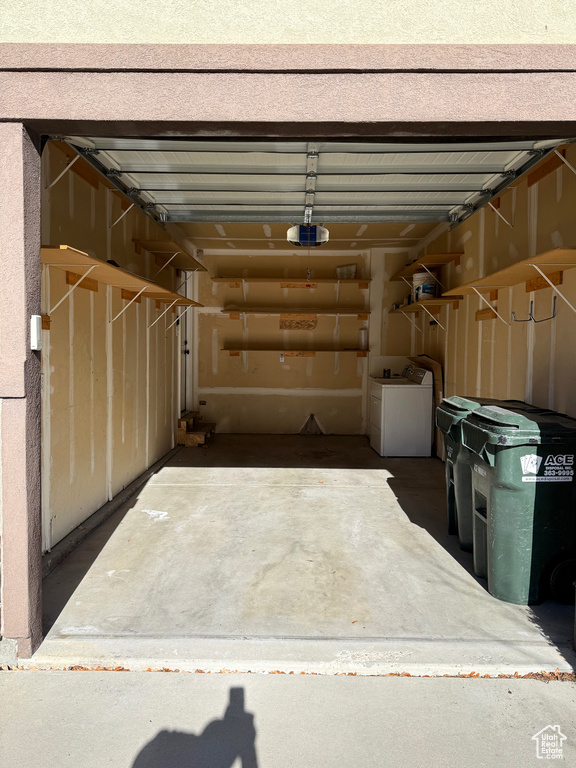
(170, 292)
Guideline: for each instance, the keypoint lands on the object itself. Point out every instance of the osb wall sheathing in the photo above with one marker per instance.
(256, 392)
(108, 403)
(527, 361)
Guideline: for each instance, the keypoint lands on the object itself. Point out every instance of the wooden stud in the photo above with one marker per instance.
(494, 295)
(496, 202)
(88, 283)
(363, 285)
(455, 304)
(46, 322)
(157, 304)
(362, 316)
(234, 315)
(362, 353)
(485, 314)
(235, 284)
(234, 353)
(131, 296)
(538, 283)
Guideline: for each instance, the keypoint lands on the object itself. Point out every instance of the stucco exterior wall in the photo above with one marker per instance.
(292, 21)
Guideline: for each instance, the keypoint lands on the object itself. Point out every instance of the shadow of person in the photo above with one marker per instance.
(218, 746)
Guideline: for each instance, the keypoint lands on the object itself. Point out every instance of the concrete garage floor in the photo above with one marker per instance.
(294, 553)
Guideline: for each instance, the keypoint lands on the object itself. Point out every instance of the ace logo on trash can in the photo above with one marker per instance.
(558, 468)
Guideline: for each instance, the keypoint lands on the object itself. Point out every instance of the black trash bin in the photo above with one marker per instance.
(524, 499)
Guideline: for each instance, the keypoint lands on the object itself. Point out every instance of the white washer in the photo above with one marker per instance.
(401, 413)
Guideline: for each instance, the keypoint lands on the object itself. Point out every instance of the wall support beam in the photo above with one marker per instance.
(20, 382)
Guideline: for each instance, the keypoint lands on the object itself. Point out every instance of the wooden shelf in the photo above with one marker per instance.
(168, 248)
(430, 304)
(550, 262)
(431, 261)
(352, 311)
(77, 263)
(235, 351)
(294, 282)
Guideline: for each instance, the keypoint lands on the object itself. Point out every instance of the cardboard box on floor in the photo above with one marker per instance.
(432, 365)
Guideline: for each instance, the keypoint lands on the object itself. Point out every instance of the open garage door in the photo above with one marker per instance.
(281, 181)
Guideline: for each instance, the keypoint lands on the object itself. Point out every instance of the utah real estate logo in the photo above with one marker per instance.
(549, 743)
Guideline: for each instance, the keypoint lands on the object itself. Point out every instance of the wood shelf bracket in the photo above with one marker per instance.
(554, 287)
(438, 323)
(132, 300)
(73, 288)
(485, 300)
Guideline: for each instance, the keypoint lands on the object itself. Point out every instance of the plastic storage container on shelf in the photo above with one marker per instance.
(449, 417)
(524, 497)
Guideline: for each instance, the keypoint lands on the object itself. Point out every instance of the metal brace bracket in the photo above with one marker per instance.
(561, 156)
(68, 293)
(122, 214)
(65, 171)
(412, 321)
(168, 308)
(554, 287)
(127, 305)
(433, 318)
(432, 275)
(497, 212)
(168, 262)
(485, 300)
(180, 316)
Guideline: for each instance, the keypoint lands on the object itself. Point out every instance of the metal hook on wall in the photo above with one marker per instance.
(552, 316)
(528, 319)
(531, 317)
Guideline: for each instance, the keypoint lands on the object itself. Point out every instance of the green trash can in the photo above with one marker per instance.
(450, 415)
(524, 499)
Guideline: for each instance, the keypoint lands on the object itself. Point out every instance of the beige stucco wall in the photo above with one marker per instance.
(288, 21)
(109, 393)
(533, 362)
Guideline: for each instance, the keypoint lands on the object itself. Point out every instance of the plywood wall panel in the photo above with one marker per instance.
(77, 403)
(277, 413)
(521, 360)
(82, 464)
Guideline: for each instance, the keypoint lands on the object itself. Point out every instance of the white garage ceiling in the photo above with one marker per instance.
(292, 181)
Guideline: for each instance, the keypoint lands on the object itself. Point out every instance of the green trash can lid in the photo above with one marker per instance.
(453, 409)
(532, 426)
